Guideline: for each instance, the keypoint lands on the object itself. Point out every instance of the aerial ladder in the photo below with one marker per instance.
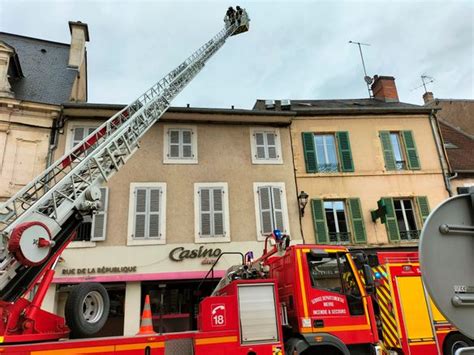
(39, 221)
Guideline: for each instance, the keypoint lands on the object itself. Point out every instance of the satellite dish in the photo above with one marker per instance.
(447, 260)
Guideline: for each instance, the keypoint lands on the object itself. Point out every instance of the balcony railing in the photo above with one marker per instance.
(400, 165)
(410, 235)
(339, 238)
(328, 168)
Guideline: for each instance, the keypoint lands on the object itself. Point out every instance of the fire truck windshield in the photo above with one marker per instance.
(333, 272)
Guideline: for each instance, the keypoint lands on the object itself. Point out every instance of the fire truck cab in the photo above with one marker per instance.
(325, 305)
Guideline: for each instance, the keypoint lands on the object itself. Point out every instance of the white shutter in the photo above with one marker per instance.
(260, 145)
(186, 143)
(154, 205)
(264, 196)
(99, 220)
(278, 209)
(218, 209)
(140, 213)
(205, 212)
(271, 146)
(173, 143)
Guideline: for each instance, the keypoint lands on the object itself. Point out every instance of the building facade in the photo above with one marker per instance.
(204, 182)
(36, 77)
(371, 168)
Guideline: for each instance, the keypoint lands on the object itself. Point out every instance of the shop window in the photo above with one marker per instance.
(270, 203)
(211, 212)
(265, 146)
(147, 211)
(180, 145)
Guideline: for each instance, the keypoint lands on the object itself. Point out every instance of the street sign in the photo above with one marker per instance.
(447, 260)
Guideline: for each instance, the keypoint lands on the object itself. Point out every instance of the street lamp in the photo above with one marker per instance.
(303, 201)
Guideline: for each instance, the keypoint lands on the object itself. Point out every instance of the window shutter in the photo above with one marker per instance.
(387, 150)
(345, 155)
(264, 196)
(154, 213)
(173, 136)
(99, 220)
(391, 225)
(358, 226)
(410, 150)
(277, 209)
(271, 146)
(309, 152)
(319, 220)
(205, 212)
(186, 144)
(423, 207)
(218, 216)
(140, 213)
(260, 145)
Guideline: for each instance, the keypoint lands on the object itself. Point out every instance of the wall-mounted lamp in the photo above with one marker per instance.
(303, 201)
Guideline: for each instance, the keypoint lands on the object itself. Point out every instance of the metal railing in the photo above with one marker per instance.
(339, 237)
(410, 235)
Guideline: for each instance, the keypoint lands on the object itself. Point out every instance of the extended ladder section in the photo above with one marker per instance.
(70, 184)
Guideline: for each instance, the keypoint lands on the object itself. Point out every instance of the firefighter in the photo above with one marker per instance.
(238, 14)
(231, 14)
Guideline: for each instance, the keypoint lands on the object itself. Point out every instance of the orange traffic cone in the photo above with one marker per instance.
(146, 326)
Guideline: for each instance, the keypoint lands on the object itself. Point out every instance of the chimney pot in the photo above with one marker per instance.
(428, 97)
(79, 37)
(384, 88)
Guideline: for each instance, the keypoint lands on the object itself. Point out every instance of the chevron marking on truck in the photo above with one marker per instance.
(389, 323)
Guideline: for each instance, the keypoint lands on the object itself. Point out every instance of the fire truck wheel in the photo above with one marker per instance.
(454, 342)
(87, 309)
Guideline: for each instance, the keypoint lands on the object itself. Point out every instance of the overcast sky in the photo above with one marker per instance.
(294, 49)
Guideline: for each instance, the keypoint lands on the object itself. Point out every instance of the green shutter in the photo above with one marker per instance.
(358, 226)
(391, 224)
(319, 220)
(410, 150)
(345, 155)
(387, 150)
(309, 152)
(423, 207)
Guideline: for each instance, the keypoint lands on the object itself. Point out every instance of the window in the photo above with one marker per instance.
(211, 212)
(405, 217)
(270, 206)
(333, 273)
(147, 213)
(399, 150)
(338, 221)
(327, 152)
(79, 134)
(265, 146)
(93, 228)
(180, 145)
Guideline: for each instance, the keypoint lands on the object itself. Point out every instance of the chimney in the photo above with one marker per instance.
(428, 97)
(6, 52)
(79, 37)
(384, 88)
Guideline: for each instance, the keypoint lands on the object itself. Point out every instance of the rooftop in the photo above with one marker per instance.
(46, 77)
(459, 147)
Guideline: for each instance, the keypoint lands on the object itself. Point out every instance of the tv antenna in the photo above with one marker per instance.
(368, 80)
(425, 79)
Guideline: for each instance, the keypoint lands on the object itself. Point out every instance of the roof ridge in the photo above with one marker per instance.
(35, 39)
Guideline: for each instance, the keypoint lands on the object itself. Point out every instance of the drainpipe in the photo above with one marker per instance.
(442, 155)
(58, 124)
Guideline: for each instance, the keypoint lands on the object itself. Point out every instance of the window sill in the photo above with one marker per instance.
(199, 240)
(267, 162)
(179, 161)
(81, 244)
(132, 242)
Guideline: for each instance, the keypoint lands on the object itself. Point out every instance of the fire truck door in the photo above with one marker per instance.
(414, 311)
